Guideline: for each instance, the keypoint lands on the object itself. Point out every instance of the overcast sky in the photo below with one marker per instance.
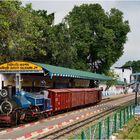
(131, 10)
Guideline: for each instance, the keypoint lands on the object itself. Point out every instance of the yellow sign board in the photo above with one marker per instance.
(17, 66)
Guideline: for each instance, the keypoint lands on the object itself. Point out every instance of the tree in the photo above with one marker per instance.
(20, 35)
(55, 43)
(97, 35)
(135, 65)
(112, 82)
(8, 12)
(43, 22)
(61, 51)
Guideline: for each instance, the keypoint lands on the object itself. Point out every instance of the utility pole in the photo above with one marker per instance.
(136, 93)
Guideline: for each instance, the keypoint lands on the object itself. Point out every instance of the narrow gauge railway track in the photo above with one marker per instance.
(77, 125)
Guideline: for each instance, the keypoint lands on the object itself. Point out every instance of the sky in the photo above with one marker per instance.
(131, 10)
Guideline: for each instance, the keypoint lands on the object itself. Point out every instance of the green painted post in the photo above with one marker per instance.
(124, 116)
(120, 119)
(82, 135)
(130, 111)
(133, 110)
(108, 127)
(100, 130)
(115, 122)
(127, 113)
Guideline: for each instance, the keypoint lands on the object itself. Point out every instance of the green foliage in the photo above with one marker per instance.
(131, 131)
(60, 51)
(135, 134)
(124, 134)
(97, 35)
(15, 32)
(115, 77)
(20, 32)
(135, 65)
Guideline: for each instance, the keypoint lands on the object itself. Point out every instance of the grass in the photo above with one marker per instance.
(135, 133)
(131, 131)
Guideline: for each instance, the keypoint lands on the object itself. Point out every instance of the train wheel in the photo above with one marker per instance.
(45, 115)
(51, 113)
(28, 115)
(16, 118)
(6, 107)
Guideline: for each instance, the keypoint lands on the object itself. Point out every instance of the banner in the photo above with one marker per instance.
(17, 66)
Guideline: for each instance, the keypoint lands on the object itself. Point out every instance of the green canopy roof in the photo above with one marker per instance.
(66, 72)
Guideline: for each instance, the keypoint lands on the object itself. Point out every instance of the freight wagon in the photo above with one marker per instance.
(67, 99)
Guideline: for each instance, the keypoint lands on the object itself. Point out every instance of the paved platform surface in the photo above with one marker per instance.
(115, 96)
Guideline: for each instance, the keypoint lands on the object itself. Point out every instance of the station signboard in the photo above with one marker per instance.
(19, 66)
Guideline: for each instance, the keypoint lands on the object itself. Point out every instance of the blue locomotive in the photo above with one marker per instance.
(23, 106)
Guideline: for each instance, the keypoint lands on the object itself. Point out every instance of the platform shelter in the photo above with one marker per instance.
(29, 75)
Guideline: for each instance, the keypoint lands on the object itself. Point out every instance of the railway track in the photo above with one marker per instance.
(77, 125)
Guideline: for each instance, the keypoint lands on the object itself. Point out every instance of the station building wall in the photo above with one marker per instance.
(123, 74)
(55, 82)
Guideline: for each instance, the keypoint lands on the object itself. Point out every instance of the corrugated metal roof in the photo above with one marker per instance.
(66, 72)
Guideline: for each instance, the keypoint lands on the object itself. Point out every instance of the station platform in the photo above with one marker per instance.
(115, 95)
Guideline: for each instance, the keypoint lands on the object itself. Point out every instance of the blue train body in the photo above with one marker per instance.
(25, 100)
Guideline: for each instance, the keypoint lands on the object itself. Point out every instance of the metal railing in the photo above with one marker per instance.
(106, 127)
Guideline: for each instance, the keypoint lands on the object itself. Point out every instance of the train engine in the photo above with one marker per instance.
(7, 107)
(23, 106)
